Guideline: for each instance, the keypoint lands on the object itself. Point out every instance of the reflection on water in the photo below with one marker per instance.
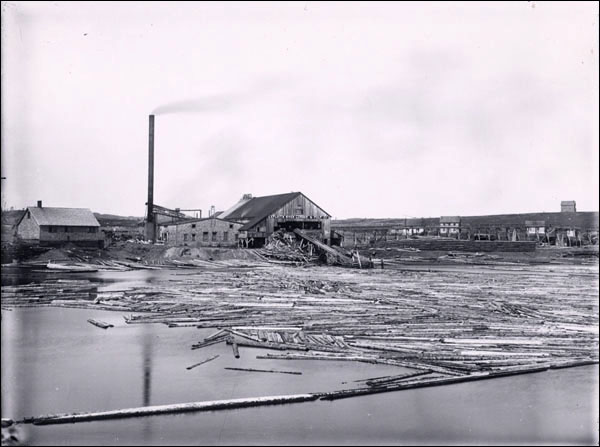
(147, 350)
(147, 340)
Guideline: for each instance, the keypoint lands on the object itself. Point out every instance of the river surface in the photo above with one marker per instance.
(54, 361)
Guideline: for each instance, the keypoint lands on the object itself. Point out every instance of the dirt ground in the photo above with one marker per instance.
(391, 256)
(542, 255)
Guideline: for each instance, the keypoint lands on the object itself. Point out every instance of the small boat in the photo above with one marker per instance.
(71, 268)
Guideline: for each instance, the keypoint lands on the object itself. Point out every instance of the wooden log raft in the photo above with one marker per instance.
(263, 370)
(447, 380)
(169, 409)
(275, 400)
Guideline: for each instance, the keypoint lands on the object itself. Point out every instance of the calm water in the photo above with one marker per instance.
(54, 361)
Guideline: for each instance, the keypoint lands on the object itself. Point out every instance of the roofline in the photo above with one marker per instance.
(23, 216)
(318, 206)
(60, 208)
(252, 223)
(196, 219)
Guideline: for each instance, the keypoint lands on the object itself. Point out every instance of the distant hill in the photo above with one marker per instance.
(112, 220)
(11, 217)
(582, 220)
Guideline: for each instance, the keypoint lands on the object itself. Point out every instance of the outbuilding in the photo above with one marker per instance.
(207, 232)
(50, 226)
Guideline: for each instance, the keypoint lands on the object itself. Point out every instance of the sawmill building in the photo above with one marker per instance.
(262, 216)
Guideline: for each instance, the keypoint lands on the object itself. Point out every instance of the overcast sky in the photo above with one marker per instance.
(371, 110)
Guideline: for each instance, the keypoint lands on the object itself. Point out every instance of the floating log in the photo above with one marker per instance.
(574, 364)
(219, 333)
(268, 345)
(431, 382)
(67, 418)
(392, 379)
(70, 268)
(100, 324)
(203, 362)
(264, 370)
(214, 341)
(274, 400)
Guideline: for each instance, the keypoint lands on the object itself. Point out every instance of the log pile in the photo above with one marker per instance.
(450, 324)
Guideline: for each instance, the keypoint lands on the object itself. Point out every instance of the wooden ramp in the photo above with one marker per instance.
(334, 256)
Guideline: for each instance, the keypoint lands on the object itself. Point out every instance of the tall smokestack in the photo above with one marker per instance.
(150, 220)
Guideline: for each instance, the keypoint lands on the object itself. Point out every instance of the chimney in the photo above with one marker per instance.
(150, 223)
(39, 205)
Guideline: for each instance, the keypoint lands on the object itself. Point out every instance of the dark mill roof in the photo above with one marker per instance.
(257, 208)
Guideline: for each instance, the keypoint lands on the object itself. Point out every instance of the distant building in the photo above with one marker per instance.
(207, 232)
(410, 231)
(58, 226)
(262, 216)
(568, 206)
(449, 225)
(121, 232)
(535, 228)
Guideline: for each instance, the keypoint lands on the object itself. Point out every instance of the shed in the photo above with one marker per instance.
(50, 226)
(206, 232)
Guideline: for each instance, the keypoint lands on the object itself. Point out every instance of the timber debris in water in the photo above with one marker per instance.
(453, 323)
(264, 370)
(100, 324)
(236, 352)
(210, 359)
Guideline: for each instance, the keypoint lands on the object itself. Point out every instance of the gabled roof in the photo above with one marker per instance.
(68, 217)
(261, 207)
(231, 211)
(257, 208)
